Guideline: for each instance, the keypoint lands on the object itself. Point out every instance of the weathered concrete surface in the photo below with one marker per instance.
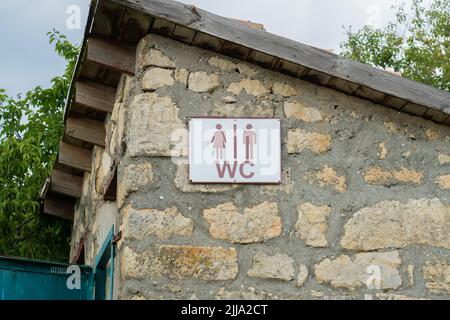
(392, 224)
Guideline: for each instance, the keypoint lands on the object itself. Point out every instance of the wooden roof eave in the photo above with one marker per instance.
(371, 83)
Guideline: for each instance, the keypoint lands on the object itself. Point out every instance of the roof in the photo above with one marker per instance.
(114, 27)
(130, 20)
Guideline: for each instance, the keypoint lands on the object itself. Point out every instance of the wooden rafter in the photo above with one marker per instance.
(85, 129)
(74, 156)
(59, 206)
(65, 183)
(115, 56)
(95, 95)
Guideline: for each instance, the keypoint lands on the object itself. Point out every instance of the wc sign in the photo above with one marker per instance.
(234, 150)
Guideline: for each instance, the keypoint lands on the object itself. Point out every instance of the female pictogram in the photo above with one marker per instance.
(249, 141)
(219, 141)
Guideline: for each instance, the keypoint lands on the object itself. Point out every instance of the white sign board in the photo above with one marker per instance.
(234, 150)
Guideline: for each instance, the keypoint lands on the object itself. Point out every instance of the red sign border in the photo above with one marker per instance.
(233, 182)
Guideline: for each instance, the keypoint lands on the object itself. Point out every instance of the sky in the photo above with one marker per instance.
(27, 60)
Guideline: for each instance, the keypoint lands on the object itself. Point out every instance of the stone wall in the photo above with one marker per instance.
(365, 190)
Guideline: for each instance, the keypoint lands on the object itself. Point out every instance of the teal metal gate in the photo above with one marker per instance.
(24, 279)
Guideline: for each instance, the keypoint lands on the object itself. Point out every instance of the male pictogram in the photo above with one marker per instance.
(219, 140)
(249, 141)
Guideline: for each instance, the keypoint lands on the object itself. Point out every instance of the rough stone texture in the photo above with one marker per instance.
(317, 294)
(329, 177)
(202, 82)
(410, 270)
(443, 158)
(256, 224)
(352, 273)
(142, 223)
(298, 140)
(393, 296)
(437, 277)
(283, 89)
(252, 87)
(264, 109)
(225, 64)
(312, 224)
(391, 224)
(156, 78)
(247, 69)
(379, 176)
(115, 135)
(182, 75)
(182, 183)
(299, 111)
(104, 171)
(247, 294)
(444, 182)
(136, 176)
(302, 276)
(180, 262)
(229, 99)
(395, 128)
(156, 58)
(153, 121)
(432, 134)
(133, 177)
(383, 151)
(278, 266)
(222, 64)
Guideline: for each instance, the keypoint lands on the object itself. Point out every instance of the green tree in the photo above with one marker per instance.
(30, 130)
(416, 44)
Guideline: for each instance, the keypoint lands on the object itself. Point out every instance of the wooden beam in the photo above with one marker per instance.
(95, 95)
(115, 56)
(59, 206)
(233, 32)
(67, 184)
(85, 129)
(74, 156)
